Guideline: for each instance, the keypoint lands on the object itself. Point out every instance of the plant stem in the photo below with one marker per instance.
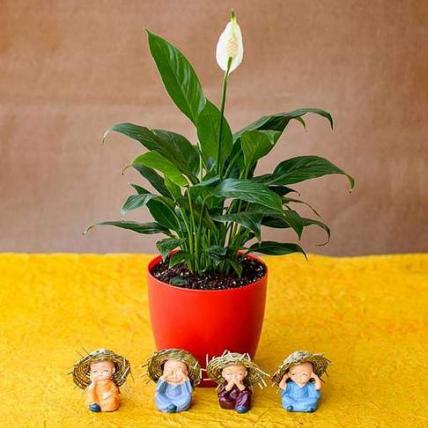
(223, 102)
(195, 237)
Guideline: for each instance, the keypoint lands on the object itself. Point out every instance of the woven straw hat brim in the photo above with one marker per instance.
(319, 362)
(156, 361)
(256, 376)
(81, 369)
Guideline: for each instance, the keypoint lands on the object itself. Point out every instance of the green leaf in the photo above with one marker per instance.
(163, 214)
(250, 191)
(177, 280)
(298, 201)
(140, 190)
(293, 219)
(282, 190)
(178, 257)
(275, 248)
(208, 128)
(237, 267)
(145, 228)
(156, 161)
(165, 246)
(278, 222)
(178, 76)
(279, 121)
(217, 252)
(249, 220)
(136, 201)
(174, 147)
(302, 168)
(177, 149)
(138, 133)
(154, 179)
(309, 222)
(173, 189)
(256, 144)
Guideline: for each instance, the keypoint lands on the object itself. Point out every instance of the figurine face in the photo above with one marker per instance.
(102, 371)
(301, 373)
(175, 371)
(235, 373)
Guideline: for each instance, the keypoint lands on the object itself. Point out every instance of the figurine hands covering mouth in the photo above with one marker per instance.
(236, 374)
(175, 372)
(100, 374)
(299, 379)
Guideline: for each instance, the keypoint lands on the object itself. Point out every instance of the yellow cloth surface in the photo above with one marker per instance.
(366, 314)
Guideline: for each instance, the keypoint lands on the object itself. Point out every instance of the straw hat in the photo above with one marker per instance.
(319, 362)
(255, 374)
(83, 366)
(156, 361)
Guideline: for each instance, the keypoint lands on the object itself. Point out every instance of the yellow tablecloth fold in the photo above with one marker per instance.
(367, 314)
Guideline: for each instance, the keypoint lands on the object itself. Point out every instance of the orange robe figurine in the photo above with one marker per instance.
(100, 374)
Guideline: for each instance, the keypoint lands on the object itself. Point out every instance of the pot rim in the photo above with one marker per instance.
(155, 260)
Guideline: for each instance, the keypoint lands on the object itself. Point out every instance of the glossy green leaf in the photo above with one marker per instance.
(275, 248)
(156, 161)
(279, 121)
(208, 128)
(282, 190)
(294, 221)
(288, 200)
(278, 222)
(249, 220)
(174, 147)
(178, 257)
(164, 214)
(165, 246)
(178, 76)
(302, 168)
(145, 228)
(320, 224)
(178, 280)
(250, 191)
(140, 190)
(154, 179)
(136, 201)
(177, 149)
(256, 144)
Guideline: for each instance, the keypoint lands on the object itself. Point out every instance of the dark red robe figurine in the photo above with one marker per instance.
(236, 374)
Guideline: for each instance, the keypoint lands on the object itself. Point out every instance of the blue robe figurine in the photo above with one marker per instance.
(300, 399)
(171, 398)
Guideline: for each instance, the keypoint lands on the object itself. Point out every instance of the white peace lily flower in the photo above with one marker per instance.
(230, 45)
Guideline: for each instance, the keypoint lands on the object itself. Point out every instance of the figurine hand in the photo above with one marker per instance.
(314, 376)
(229, 385)
(240, 385)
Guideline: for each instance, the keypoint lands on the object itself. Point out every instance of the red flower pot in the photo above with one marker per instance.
(206, 322)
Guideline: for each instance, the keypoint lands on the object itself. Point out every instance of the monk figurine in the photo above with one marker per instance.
(176, 372)
(299, 379)
(100, 374)
(235, 374)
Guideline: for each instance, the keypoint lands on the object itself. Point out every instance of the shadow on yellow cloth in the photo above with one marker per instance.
(367, 314)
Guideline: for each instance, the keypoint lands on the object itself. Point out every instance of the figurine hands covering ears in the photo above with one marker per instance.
(236, 374)
(175, 372)
(299, 379)
(100, 374)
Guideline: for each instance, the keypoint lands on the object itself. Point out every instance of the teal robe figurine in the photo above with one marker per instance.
(172, 398)
(176, 372)
(299, 379)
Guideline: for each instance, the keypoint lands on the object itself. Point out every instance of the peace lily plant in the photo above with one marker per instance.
(209, 203)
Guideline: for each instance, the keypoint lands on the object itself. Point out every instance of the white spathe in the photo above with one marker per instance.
(230, 45)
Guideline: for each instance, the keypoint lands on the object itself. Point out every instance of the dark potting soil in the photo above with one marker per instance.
(180, 276)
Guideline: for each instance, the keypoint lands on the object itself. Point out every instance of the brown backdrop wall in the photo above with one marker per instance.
(71, 69)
